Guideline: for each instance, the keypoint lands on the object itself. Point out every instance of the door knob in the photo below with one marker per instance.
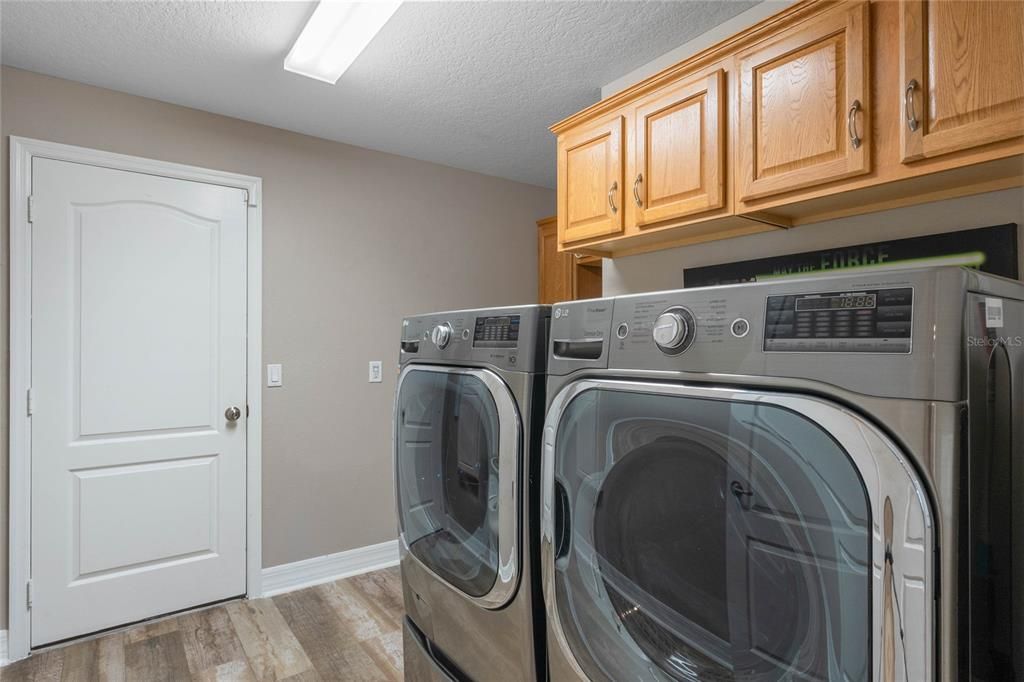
(232, 414)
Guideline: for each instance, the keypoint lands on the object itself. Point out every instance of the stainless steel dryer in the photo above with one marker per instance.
(468, 413)
(817, 478)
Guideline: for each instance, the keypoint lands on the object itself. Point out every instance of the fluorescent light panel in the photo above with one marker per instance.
(335, 35)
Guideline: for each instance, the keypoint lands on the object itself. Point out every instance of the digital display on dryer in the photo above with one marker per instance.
(844, 302)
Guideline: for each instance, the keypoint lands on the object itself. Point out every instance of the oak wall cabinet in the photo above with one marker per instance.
(590, 167)
(564, 276)
(827, 109)
(962, 64)
(804, 103)
(678, 150)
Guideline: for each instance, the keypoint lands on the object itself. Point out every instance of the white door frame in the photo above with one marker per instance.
(23, 150)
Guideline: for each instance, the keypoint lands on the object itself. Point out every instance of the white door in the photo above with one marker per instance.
(138, 348)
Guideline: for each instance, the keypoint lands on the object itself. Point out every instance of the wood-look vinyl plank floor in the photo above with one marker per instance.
(157, 659)
(331, 645)
(268, 642)
(350, 629)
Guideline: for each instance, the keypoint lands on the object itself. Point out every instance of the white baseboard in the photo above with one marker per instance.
(3, 648)
(323, 569)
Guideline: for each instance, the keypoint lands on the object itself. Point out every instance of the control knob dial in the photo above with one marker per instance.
(674, 330)
(441, 335)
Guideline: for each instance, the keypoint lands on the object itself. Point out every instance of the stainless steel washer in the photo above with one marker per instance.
(830, 489)
(468, 413)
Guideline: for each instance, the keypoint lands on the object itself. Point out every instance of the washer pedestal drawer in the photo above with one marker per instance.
(420, 666)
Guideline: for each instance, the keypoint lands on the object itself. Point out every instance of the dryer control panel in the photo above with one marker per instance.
(888, 332)
(863, 321)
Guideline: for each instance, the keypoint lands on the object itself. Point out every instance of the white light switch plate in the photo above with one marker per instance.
(273, 375)
(375, 372)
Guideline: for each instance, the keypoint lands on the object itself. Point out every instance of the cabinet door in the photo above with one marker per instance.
(804, 105)
(590, 181)
(962, 68)
(680, 151)
(554, 269)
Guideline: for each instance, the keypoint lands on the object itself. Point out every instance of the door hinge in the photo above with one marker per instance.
(28, 595)
(30, 402)
(31, 204)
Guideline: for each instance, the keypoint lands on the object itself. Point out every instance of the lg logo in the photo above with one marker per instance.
(561, 312)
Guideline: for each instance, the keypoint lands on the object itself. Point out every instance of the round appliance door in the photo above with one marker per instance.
(712, 534)
(457, 443)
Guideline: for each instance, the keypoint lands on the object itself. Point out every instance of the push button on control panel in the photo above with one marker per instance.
(888, 297)
(780, 303)
(894, 313)
(781, 317)
(740, 327)
(893, 328)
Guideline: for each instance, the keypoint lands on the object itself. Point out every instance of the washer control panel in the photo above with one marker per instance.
(508, 338)
(865, 321)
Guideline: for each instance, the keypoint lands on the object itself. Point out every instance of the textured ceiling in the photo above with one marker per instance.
(467, 84)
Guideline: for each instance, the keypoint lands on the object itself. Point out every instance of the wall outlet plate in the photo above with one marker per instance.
(376, 372)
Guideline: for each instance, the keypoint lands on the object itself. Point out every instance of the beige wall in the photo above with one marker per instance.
(353, 240)
(664, 269)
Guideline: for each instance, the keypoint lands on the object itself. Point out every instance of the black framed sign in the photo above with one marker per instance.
(989, 249)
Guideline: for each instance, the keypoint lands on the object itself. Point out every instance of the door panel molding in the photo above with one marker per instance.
(23, 151)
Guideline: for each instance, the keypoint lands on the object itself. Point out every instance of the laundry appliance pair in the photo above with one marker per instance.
(818, 478)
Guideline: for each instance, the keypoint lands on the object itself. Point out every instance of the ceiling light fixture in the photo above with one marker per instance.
(335, 35)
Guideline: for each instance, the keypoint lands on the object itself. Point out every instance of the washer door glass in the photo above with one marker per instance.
(448, 477)
(709, 539)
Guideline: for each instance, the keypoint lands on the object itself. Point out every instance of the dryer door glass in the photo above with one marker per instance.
(447, 460)
(709, 540)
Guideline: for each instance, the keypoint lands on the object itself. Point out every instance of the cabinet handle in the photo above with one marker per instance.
(611, 199)
(851, 124)
(636, 188)
(908, 105)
